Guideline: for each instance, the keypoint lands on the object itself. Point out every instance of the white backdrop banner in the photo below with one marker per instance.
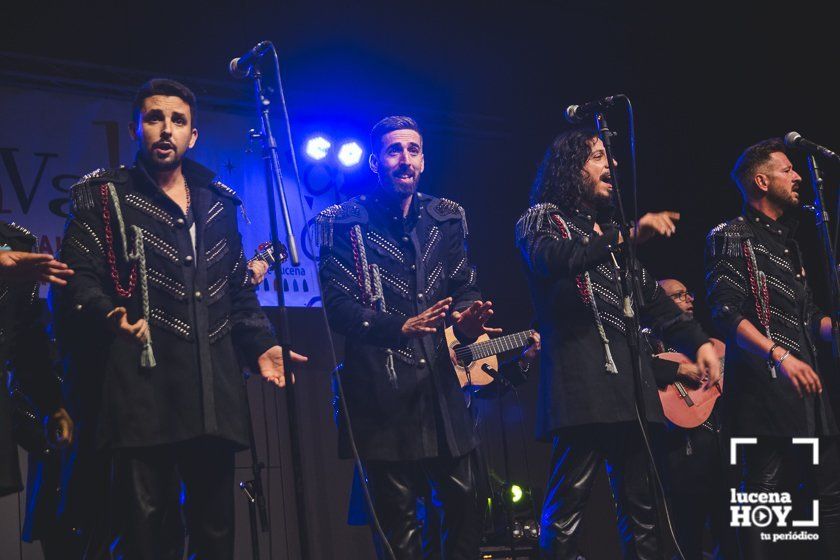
(49, 139)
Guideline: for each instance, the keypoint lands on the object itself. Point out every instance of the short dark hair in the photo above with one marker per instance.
(559, 179)
(752, 158)
(163, 86)
(390, 124)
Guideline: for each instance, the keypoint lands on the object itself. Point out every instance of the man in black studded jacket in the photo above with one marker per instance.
(586, 404)
(393, 267)
(153, 324)
(761, 302)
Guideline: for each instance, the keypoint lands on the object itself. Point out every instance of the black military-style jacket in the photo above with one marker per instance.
(377, 269)
(569, 266)
(24, 349)
(756, 404)
(201, 311)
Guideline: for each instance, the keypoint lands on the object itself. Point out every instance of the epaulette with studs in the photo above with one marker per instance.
(226, 191)
(727, 238)
(443, 209)
(20, 231)
(534, 219)
(347, 212)
(85, 191)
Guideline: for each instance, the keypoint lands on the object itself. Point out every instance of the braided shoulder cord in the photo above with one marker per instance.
(378, 300)
(587, 296)
(104, 191)
(137, 259)
(360, 260)
(370, 283)
(758, 285)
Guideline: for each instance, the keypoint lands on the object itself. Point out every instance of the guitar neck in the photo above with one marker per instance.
(487, 348)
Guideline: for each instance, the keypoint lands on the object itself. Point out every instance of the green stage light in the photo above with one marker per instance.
(515, 493)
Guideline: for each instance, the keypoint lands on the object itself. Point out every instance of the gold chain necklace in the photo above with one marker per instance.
(187, 189)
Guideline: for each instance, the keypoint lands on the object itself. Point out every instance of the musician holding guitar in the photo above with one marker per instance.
(695, 450)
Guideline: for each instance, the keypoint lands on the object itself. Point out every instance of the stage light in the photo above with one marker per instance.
(317, 147)
(515, 493)
(350, 154)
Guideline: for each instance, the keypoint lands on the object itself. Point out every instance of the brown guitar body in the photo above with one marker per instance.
(470, 374)
(685, 406)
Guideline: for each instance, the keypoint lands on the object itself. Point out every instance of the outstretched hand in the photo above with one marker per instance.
(33, 267)
(272, 368)
(472, 320)
(655, 223)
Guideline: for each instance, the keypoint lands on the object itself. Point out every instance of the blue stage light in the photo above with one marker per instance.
(317, 147)
(350, 154)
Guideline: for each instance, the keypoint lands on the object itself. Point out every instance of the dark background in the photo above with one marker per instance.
(489, 82)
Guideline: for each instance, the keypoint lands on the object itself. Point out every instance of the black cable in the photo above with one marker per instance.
(330, 343)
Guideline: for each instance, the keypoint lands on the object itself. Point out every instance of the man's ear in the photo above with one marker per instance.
(132, 131)
(373, 163)
(761, 182)
(193, 137)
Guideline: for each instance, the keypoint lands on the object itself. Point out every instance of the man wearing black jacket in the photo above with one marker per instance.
(24, 346)
(572, 253)
(393, 267)
(760, 299)
(153, 324)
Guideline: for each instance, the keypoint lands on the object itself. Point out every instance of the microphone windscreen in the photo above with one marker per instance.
(792, 139)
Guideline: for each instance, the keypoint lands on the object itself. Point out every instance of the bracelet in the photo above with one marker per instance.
(782, 359)
(523, 369)
(770, 352)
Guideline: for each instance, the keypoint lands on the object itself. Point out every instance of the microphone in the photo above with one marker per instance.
(576, 113)
(795, 140)
(241, 67)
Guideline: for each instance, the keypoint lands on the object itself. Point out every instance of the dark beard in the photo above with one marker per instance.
(156, 165)
(594, 203)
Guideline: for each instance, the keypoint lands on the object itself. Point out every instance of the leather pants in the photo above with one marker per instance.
(579, 454)
(395, 487)
(776, 465)
(148, 481)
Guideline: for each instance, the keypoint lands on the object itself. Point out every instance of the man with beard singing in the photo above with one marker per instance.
(393, 268)
(573, 255)
(761, 301)
(153, 325)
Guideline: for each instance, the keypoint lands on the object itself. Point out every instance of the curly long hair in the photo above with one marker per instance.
(559, 179)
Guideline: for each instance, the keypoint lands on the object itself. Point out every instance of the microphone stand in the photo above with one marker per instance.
(632, 294)
(274, 178)
(829, 257)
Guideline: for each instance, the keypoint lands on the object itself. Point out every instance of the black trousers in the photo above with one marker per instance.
(578, 455)
(451, 483)
(698, 480)
(148, 480)
(776, 465)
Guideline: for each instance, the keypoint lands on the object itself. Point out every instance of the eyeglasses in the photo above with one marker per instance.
(682, 296)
